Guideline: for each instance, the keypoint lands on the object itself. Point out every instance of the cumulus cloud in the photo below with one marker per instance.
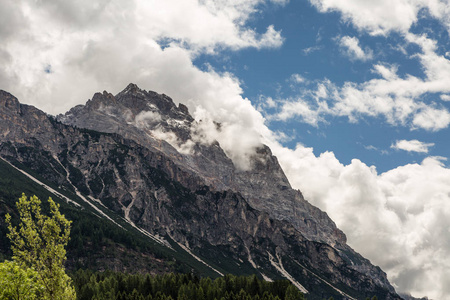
(398, 219)
(397, 99)
(300, 109)
(445, 97)
(106, 44)
(402, 215)
(412, 146)
(353, 50)
(431, 118)
(57, 54)
(379, 17)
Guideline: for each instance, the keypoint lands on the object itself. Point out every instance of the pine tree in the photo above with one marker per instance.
(292, 293)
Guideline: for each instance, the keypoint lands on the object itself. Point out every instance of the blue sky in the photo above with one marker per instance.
(352, 96)
(312, 50)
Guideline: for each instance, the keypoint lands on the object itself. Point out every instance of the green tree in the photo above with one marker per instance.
(292, 293)
(18, 283)
(39, 244)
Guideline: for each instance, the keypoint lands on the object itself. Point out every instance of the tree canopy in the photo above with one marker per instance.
(17, 282)
(38, 245)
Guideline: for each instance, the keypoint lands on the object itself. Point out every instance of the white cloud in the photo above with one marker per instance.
(397, 99)
(353, 50)
(240, 130)
(270, 103)
(312, 49)
(379, 17)
(106, 44)
(298, 108)
(170, 137)
(376, 16)
(431, 118)
(371, 147)
(92, 46)
(402, 215)
(412, 146)
(297, 78)
(445, 97)
(386, 71)
(398, 219)
(147, 119)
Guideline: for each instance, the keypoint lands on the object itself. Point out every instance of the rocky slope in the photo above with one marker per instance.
(149, 168)
(144, 116)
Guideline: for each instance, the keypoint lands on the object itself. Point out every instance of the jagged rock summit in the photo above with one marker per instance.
(139, 155)
(153, 120)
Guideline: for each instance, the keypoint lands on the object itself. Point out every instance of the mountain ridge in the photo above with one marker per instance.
(223, 178)
(121, 170)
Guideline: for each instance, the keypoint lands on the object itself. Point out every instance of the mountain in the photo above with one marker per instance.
(141, 163)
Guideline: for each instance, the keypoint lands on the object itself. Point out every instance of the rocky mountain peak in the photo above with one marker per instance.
(100, 100)
(153, 120)
(9, 101)
(155, 175)
(133, 113)
(132, 88)
(138, 100)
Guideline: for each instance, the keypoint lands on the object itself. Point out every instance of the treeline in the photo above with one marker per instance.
(121, 286)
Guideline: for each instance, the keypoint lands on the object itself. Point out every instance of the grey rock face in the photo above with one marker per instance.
(265, 186)
(197, 197)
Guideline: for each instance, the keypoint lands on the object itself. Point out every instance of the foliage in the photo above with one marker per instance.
(17, 282)
(39, 244)
(292, 293)
(109, 285)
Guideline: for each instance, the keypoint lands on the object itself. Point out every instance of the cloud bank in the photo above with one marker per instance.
(398, 219)
(58, 54)
(70, 50)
